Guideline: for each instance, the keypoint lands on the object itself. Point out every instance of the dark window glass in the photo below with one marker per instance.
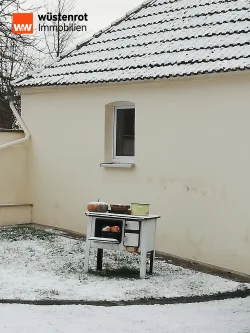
(125, 132)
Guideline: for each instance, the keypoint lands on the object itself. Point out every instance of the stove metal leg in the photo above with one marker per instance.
(86, 259)
(143, 264)
(99, 259)
(152, 259)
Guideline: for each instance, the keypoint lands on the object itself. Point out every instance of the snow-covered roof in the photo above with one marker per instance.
(159, 39)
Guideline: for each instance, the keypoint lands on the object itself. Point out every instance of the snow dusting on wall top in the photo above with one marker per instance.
(160, 39)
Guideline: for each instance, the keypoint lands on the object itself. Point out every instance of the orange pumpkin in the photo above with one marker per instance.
(115, 228)
(100, 207)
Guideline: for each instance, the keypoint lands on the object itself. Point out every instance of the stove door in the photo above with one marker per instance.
(132, 225)
(131, 239)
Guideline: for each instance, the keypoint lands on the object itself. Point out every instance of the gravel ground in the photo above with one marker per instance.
(46, 264)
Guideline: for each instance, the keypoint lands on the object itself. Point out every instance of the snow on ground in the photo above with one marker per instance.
(38, 264)
(229, 316)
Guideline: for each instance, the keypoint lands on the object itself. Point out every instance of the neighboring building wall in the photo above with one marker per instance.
(192, 161)
(14, 181)
(15, 214)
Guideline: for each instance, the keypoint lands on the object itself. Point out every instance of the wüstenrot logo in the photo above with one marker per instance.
(22, 23)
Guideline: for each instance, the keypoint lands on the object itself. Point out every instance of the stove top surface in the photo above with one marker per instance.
(115, 215)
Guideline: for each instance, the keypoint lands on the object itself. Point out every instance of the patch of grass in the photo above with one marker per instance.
(18, 233)
(47, 293)
(71, 268)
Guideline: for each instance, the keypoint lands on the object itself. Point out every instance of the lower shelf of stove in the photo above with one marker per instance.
(104, 240)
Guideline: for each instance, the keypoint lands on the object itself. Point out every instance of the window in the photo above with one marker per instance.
(124, 134)
(119, 139)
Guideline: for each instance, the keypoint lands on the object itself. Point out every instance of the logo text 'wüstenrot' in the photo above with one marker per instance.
(62, 22)
(22, 23)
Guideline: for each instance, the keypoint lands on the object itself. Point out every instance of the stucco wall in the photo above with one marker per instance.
(14, 180)
(192, 161)
(15, 214)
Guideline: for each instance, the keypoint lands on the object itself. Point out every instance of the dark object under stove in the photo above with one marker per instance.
(126, 212)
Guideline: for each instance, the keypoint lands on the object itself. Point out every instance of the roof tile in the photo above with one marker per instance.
(161, 39)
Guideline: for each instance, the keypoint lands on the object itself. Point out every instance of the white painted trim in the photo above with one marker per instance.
(118, 165)
(120, 159)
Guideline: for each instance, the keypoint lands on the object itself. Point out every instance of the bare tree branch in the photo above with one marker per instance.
(16, 56)
(58, 41)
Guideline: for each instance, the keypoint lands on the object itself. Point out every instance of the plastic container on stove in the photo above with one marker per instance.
(140, 209)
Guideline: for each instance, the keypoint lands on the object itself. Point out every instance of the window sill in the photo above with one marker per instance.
(118, 165)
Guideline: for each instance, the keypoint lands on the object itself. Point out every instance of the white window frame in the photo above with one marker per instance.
(120, 159)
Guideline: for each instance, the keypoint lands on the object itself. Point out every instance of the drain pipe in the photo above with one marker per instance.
(20, 121)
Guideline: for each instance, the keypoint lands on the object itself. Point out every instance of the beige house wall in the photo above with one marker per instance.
(14, 181)
(192, 161)
(15, 214)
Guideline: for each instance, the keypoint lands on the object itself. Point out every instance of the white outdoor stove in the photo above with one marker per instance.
(137, 234)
